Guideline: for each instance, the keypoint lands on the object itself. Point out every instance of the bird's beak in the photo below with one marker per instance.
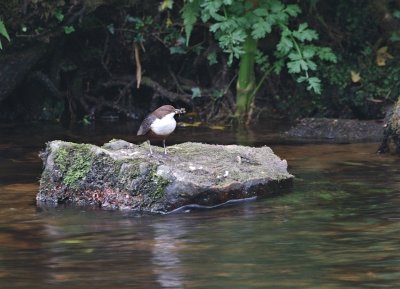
(180, 110)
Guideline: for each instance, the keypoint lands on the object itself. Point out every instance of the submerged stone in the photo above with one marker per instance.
(121, 175)
(337, 130)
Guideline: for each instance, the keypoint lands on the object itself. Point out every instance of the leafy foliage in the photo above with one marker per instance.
(137, 28)
(294, 47)
(354, 30)
(375, 85)
(234, 21)
(288, 61)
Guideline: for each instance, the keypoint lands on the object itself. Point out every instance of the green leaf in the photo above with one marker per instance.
(311, 64)
(304, 33)
(228, 24)
(294, 56)
(297, 66)
(210, 9)
(308, 51)
(190, 12)
(367, 51)
(260, 29)
(314, 84)
(284, 45)
(177, 50)
(215, 27)
(303, 64)
(261, 12)
(233, 39)
(230, 59)
(212, 58)
(294, 66)
(293, 10)
(3, 31)
(59, 15)
(276, 6)
(131, 19)
(110, 28)
(197, 49)
(396, 14)
(247, 5)
(278, 66)
(218, 93)
(69, 29)
(196, 92)
(395, 37)
(325, 53)
(86, 120)
(166, 5)
(262, 60)
(139, 38)
(301, 79)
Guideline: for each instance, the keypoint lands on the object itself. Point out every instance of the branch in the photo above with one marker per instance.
(127, 81)
(110, 104)
(172, 96)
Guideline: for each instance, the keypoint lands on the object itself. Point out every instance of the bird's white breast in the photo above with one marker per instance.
(165, 125)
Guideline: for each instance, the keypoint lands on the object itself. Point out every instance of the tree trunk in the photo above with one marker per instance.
(246, 83)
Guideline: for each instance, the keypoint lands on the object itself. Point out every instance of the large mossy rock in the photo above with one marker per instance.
(121, 175)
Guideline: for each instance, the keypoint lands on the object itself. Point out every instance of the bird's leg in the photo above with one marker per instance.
(151, 152)
(165, 149)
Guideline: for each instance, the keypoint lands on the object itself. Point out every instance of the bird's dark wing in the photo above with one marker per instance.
(145, 126)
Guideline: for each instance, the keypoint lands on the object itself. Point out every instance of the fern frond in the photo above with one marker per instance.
(190, 13)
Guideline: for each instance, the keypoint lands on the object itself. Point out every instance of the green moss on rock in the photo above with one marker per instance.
(159, 187)
(74, 162)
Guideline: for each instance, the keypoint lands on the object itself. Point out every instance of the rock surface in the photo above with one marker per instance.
(121, 175)
(14, 68)
(391, 135)
(337, 130)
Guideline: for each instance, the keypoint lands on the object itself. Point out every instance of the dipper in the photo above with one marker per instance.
(159, 124)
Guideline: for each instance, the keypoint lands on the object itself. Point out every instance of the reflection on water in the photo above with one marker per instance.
(339, 228)
(167, 264)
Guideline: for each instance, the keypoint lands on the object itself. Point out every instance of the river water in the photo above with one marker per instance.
(338, 228)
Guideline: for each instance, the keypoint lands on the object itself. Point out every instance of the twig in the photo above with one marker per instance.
(104, 56)
(138, 65)
(178, 86)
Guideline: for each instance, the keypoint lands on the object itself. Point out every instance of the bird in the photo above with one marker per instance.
(159, 124)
